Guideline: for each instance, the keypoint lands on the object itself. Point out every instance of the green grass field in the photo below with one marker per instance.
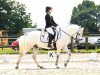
(87, 51)
(7, 51)
(10, 51)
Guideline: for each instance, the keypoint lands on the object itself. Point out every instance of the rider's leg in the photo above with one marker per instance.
(54, 43)
(50, 40)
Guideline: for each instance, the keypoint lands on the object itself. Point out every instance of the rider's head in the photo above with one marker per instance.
(48, 9)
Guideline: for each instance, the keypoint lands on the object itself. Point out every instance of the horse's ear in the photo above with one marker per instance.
(83, 28)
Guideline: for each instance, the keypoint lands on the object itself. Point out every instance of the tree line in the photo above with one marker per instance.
(87, 15)
(13, 17)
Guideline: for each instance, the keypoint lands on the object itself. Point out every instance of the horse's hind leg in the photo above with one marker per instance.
(69, 55)
(17, 67)
(35, 51)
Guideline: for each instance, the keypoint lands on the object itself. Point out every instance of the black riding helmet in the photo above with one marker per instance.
(48, 8)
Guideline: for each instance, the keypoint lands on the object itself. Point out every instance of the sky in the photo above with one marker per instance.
(62, 10)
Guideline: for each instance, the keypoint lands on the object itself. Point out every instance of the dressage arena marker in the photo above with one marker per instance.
(51, 53)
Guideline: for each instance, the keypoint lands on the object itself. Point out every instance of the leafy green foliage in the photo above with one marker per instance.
(87, 15)
(13, 16)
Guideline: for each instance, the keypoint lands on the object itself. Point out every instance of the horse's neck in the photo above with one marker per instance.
(71, 31)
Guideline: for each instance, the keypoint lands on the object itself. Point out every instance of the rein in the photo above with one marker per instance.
(72, 35)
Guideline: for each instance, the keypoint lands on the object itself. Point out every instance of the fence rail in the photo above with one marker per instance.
(9, 39)
(15, 37)
(8, 36)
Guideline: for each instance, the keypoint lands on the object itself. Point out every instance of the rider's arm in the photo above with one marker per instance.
(54, 22)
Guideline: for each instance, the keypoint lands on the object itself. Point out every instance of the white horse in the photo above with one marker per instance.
(32, 40)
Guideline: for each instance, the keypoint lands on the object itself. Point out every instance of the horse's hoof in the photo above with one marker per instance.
(41, 67)
(16, 67)
(57, 67)
(65, 64)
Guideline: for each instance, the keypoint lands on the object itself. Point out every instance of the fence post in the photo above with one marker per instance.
(86, 40)
(72, 46)
(86, 43)
(2, 43)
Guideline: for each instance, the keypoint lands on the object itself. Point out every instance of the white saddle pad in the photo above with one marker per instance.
(45, 36)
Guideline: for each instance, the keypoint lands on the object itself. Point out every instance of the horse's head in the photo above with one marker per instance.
(79, 35)
(80, 32)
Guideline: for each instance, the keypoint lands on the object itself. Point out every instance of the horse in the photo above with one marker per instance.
(31, 40)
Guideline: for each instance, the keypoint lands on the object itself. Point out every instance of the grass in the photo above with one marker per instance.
(10, 51)
(86, 51)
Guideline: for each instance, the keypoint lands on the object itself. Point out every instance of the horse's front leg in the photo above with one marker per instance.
(35, 52)
(69, 55)
(57, 57)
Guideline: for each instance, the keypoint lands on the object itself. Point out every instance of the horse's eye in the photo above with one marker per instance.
(79, 34)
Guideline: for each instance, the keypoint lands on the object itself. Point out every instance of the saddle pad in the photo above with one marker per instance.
(44, 37)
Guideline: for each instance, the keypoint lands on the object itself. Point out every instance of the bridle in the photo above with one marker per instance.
(73, 34)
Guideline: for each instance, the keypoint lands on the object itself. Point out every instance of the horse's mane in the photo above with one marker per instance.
(70, 26)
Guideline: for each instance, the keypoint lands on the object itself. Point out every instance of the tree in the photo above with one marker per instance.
(13, 16)
(87, 15)
(35, 25)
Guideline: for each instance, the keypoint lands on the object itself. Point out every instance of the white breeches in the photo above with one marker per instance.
(50, 30)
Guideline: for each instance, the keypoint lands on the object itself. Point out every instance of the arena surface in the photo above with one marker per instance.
(80, 64)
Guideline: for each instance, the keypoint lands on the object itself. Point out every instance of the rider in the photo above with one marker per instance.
(50, 23)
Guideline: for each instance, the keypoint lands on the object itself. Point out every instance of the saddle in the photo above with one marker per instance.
(44, 37)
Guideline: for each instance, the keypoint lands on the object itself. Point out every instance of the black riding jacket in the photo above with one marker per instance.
(49, 21)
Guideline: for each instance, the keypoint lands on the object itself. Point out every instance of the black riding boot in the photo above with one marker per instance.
(50, 40)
